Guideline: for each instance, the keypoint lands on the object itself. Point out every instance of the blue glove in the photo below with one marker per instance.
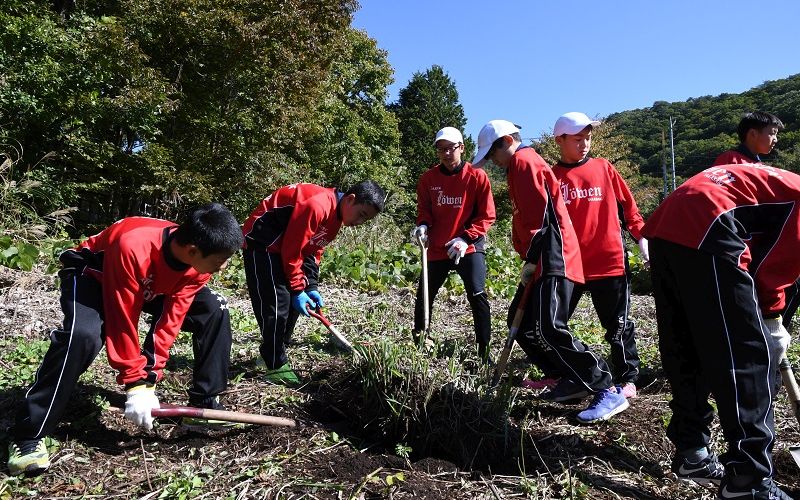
(301, 301)
(316, 297)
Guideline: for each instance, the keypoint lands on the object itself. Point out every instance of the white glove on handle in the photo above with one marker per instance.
(778, 338)
(528, 270)
(644, 251)
(456, 248)
(141, 399)
(419, 232)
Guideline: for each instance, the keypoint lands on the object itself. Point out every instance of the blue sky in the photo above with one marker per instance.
(530, 62)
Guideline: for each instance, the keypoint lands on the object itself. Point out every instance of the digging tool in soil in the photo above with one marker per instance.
(168, 410)
(174, 411)
(794, 399)
(337, 337)
(423, 247)
(512, 334)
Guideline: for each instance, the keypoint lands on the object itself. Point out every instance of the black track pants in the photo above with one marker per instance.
(472, 269)
(611, 299)
(271, 299)
(74, 346)
(548, 341)
(713, 341)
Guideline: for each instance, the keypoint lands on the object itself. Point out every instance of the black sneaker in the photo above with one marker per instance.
(565, 390)
(766, 489)
(705, 472)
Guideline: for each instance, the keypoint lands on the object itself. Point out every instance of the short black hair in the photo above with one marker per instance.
(212, 228)
(368, 193)
(757, 120)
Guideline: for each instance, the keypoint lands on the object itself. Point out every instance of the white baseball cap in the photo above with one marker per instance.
(572, 123)
(451, 134)
(490, 132)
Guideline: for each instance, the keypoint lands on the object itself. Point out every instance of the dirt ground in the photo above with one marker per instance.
(97, 454)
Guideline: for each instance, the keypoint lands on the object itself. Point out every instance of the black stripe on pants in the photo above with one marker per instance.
(271, 299)
(74, 346)
(472, 270)
(547, 340)
(611, 299)
(712, 341)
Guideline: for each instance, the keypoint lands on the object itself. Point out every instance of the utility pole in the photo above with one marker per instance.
(664, 164)
(672, 147)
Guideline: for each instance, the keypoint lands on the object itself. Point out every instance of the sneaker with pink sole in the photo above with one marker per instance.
(628, 389)
(542, 383)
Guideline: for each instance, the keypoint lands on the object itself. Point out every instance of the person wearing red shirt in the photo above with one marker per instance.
(136, 265)
(284, 239)
(599, 203)
(543, 236)
(758, 135)
(455, 209)
(723, 248)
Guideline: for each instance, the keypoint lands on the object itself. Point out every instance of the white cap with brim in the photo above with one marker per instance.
(451, 134)
(490, 132)
(572, 123)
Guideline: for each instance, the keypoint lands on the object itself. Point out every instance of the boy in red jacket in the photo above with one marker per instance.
(136, 265)
(723, 247)
(544, 238)
(455, 209)
(599, 203)
(758, 134)
(284, 239)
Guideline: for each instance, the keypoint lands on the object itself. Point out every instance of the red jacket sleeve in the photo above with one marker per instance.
(122, 305)
(303, 223)
(484, 208)
(633, 219)
(424, 214)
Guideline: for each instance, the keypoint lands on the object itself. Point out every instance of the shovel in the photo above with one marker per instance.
(337, 337)
(793, 392)
(512, 334)
(427, 310)
(168, 410)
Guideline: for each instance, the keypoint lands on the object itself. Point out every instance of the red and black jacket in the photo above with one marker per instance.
(541, 230)
(455, 204)
(747, 214)
(132, 261)
(297, 221)
(737, 156)
(598, 201)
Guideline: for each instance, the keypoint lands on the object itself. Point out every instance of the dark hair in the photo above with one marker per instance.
(368, 193)
(498, 143)
(212, 228)
(757, 120)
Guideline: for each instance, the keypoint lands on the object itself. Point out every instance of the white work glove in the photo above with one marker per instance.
(644, 251)
(141, 399)
(778, 338)
(420, 233)
(456, 248)
(528, 270)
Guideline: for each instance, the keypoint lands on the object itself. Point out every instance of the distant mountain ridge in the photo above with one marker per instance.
(706, 126)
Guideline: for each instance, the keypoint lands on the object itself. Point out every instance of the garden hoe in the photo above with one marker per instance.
(794, 399)
(426, 305)
(168, 410)
(512, 334)
(337, 337)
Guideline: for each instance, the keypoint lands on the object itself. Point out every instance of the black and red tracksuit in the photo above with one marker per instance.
(599, 202)
(736, 156)
(542, 233)
(723, 247)
(106, 283)
(456, 204)
(284, 239)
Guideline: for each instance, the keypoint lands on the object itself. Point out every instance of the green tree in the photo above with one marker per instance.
(355, 136)
(428, 103)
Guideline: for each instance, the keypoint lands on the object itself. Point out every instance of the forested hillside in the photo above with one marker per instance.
(706, 126)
